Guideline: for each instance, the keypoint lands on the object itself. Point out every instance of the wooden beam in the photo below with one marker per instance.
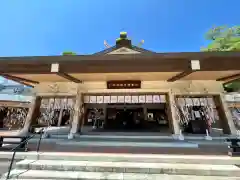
(26, 84)
(68, 77)
(20, 82)
(180, 75)
(229, 78)
(15, 78)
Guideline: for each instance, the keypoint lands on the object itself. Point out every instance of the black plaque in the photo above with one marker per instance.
(128, 84)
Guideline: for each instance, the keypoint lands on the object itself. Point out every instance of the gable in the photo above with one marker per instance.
(124, 50)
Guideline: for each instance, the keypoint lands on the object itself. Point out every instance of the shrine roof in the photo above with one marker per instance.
(224, 62)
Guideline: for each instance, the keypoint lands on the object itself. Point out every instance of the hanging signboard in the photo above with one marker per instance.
(142, 99)
(134, 99)
(128, 84)
(149, 99)
(106, 99)
(113, 99)
(92, 99)
(100, 99)
(120, 99)
(156, 99)
(127, 99)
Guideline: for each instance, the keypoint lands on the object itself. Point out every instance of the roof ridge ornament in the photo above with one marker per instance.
(123, 41)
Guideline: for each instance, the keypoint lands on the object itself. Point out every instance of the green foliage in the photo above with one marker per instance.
(68, 53)
(232, 87)
(224, 38)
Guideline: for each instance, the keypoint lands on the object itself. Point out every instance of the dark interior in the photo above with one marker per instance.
(124, 117)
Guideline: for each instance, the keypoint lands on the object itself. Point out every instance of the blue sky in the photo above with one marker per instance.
(49, 27)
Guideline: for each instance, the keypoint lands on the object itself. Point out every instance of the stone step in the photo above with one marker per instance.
(69, 175)
(163, 148)
(131, 167)
(133, 143)
(191, 159)
(128, 144)
(134, 136)
(124, 157)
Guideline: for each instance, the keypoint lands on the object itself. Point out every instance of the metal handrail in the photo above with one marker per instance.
(20, 144)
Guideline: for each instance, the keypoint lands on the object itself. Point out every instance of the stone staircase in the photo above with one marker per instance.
(95, 166)
(131, 143)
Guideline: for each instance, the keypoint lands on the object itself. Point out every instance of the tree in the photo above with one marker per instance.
(232, 87)
(224, 38)
(68, 53)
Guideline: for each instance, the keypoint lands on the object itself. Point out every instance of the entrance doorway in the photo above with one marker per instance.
(124, 119)
(131, 113)
(136, 118)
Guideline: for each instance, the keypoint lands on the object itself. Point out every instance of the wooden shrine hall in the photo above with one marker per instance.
(126, 87)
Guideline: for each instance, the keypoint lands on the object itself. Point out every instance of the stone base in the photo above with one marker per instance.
(178, 137)
(70, 136)
(208, 138)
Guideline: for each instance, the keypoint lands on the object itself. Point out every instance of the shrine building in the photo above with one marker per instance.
(128, 88)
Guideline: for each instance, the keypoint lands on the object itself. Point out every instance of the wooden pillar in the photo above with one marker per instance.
(225, 115)
(60, 117)
(173, 114)
(32, 114)
(77, 114)
(82, 117)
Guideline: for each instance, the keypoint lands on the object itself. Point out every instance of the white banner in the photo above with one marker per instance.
(134, 99)
(120, 99)
(149, 99)
(156, 99)
(114, 99)
(142, 99)
(99, 99)
(107, 99)
(127, 99)
(93, 99)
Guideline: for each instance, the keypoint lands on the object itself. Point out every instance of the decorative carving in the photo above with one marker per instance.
(54, 88)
